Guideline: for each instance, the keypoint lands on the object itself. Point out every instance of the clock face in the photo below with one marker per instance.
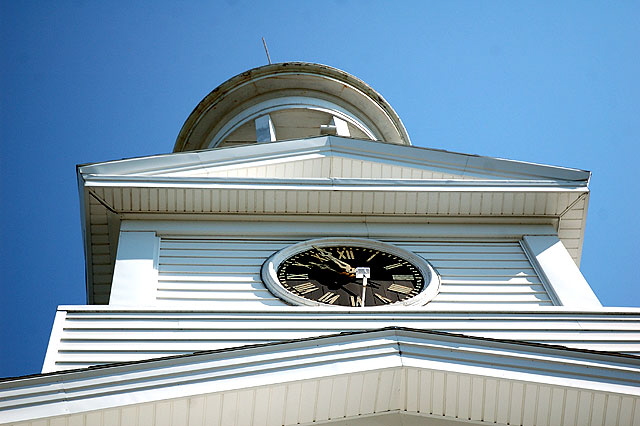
(342, 274)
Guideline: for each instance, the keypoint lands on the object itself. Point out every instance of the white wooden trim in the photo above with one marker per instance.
(135, 276)
(453, 162)
(274, 226)
(616, 314)
(335, 184)
(284, 103)
(560, 272)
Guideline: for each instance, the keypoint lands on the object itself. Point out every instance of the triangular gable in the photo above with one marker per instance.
(334, 378)
(333, 157)
(330, 165)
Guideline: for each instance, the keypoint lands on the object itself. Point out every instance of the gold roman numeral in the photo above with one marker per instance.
(395, 265)
(382, 298)
(403, 277)
(397, 288)
(329, 298)
(305, 288)
(344, 253)
(298, 276)
(355, 300)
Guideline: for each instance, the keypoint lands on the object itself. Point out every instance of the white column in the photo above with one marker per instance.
(560, 271)
(135, 276)
(336, 126)
(265, 132)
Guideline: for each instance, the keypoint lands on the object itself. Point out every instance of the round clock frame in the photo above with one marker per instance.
(323, 272)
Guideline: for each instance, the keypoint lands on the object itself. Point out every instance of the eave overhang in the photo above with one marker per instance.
(347, 376)
(462, 164)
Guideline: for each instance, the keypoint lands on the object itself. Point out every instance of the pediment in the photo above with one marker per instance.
(329, 380)
(334, 157)
(319, 166)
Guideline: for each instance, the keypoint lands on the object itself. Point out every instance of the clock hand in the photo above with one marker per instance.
(323, 266)
(344, 265)
(329, 268)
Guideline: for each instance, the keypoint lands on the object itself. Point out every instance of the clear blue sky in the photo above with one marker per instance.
(87, 81)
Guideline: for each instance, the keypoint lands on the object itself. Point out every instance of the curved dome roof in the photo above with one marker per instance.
(291, 100)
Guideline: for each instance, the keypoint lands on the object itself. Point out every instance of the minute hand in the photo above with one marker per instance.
(340, 263)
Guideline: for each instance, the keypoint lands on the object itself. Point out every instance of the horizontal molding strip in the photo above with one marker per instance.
(334, 184)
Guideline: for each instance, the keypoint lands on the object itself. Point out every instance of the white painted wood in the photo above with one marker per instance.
(55, 338)
(379, 206)
(222, 270)
(342, 378)
(336, 126)
(358, 149)
(560, 272)
(292, 112)
(285, 229)
(135, 275)
(294, 177)
(84, 336)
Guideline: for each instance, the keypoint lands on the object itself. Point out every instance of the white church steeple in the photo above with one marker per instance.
(296, 261)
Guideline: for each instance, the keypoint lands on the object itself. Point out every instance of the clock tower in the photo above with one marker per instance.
(296, 260)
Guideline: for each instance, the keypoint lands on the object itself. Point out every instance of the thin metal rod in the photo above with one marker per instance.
(266, 50)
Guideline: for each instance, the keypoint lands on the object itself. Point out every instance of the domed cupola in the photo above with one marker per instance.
(290, 101)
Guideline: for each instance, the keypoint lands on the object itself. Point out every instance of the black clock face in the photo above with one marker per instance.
(336, 275)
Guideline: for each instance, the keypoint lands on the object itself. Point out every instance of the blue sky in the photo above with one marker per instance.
(82, 81)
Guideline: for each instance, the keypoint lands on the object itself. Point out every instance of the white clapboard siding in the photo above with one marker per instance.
(84, 336)
(481, 273)
(207, 271)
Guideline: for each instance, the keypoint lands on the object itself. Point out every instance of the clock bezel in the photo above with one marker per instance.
(269, 271)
